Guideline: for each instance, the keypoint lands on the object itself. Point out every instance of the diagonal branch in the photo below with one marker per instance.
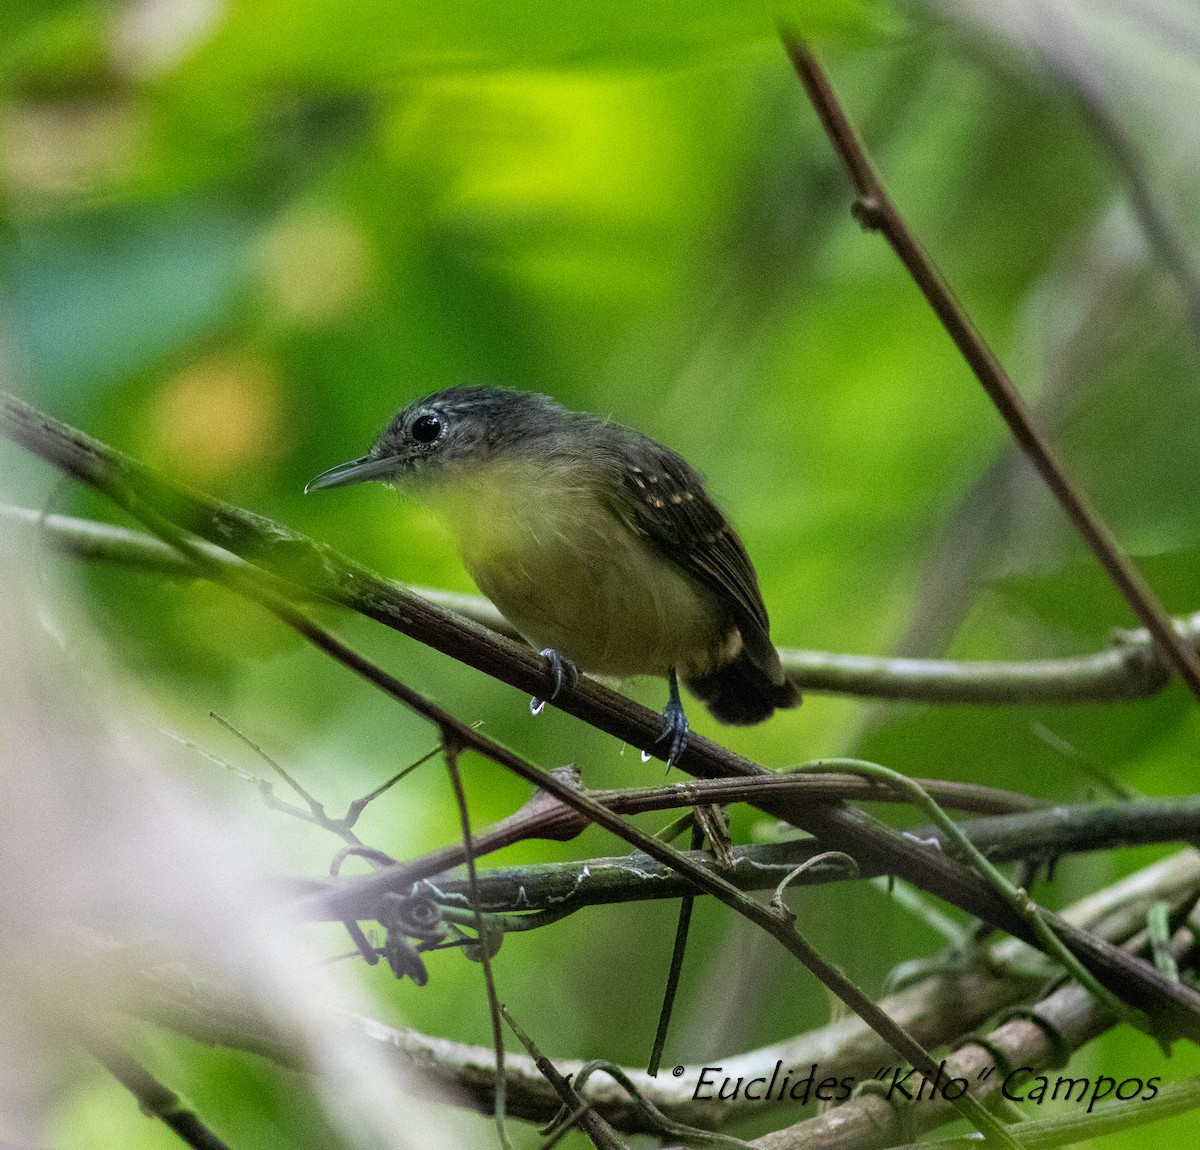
(275, 561)
(875, 210)
(155, 1099)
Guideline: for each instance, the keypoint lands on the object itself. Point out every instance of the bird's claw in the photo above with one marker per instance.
(675, 728)
(561, 670)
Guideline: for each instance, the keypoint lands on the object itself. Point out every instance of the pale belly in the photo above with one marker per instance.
(568, 575)
(620, 612)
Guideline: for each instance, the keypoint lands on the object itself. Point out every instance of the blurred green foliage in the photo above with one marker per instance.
(237, 236)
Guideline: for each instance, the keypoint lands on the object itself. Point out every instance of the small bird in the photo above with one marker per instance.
(599, 545)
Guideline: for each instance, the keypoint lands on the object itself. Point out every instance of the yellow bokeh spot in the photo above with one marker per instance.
(316, 267)
(215, 417)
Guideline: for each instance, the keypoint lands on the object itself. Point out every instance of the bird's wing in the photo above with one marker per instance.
(662, 498)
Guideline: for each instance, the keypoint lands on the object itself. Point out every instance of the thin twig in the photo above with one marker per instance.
(666, 1127)
(599, 881)
(678, 950)
(577, 1110)
(485, 955)
(316, 810)
(152, 1096)
(875, 210)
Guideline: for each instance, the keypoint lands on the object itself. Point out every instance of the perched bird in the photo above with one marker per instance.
(599, 545)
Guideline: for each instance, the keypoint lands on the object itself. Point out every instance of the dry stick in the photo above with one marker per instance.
(659, 1122)
(973, 798)
(875, 210)
(291, 560)
(578, 1111)
(594, 881)
(316, 813)
(631, 878)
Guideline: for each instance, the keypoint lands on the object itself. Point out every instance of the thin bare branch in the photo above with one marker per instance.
(577, 1111)
(484, 947)
(875, 210)
(678, 949)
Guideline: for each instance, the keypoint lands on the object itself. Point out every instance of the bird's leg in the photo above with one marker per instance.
(561, 670)
(675, 724)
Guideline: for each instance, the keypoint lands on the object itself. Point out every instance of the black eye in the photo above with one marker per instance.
(427, 428)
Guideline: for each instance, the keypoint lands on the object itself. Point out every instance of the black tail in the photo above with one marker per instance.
(741, 693)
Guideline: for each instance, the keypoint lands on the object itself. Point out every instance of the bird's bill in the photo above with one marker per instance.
(356, 471)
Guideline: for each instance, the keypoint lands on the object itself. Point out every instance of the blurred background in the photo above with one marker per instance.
(236, 237)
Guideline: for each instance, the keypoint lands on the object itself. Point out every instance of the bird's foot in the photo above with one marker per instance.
(561, 670)
(675, 729)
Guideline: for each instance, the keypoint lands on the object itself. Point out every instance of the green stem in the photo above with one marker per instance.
(1017, 898)
(1107, 1118)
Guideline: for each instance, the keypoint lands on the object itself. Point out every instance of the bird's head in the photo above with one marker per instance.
(449, 431)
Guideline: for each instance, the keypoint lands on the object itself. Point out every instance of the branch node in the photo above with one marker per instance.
(868, 213)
